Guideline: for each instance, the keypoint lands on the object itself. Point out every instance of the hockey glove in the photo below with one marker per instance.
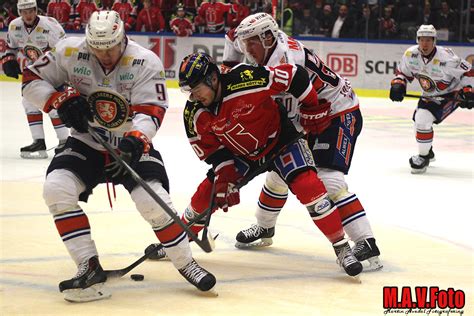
(315, 120)
(131, 148)
(226, 193)
(73, 109)
(467, 97)
(11, 68)
(398, 90)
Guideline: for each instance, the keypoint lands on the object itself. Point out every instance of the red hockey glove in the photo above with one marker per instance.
(315, 120)
(226, 193)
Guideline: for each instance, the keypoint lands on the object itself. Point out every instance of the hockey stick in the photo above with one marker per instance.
(204, 244)
(432, 97)
(152, 248)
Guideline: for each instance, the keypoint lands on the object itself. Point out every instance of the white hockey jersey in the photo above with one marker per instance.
(33, 41)
(329, 85)
(443, 73)
(138, 77)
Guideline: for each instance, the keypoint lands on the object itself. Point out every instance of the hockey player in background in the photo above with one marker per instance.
(443, 77)
(32, 35)
(259, 39)
(113, 69)
(234, 125)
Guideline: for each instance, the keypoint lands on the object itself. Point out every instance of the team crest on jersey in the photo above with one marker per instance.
(32, 52)
(110, 109)
(426, 83)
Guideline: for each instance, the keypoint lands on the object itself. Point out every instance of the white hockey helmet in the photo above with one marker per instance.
(104, 30)
(26, 4)
(426, 30)
(257, 25)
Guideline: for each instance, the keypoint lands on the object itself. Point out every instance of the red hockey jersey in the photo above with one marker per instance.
(247, 120)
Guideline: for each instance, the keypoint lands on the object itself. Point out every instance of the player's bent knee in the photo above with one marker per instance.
(424, 119)
(334, 182)
(307, 187)
(275, 183)
(150, 210)
(61, 191)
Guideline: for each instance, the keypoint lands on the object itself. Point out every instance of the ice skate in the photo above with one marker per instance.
(157, 252)
(420, 163)
(87, 285)
(367, 252)
(60, 147)
(199, 277)
(37, 150)
(346, 259)
(255, 236)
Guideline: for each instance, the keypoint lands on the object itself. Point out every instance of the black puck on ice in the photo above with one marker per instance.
(137, 277)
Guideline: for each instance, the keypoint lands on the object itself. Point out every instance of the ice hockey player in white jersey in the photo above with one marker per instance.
(118, 87)
(260, 41)
(447, 82)
(32, 35)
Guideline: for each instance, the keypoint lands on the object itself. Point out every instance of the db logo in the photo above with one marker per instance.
(343, 64)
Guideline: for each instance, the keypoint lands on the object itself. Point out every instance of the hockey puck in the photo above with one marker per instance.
(137, 277)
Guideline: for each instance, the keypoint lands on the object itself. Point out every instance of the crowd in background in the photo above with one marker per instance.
(365, 19)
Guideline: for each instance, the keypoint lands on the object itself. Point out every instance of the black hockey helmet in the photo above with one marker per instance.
(196, 68)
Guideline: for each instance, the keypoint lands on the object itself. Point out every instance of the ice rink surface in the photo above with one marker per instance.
(422, 223)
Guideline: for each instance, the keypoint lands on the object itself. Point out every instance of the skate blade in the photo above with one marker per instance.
(372, 264)
(34, 155)
(92, 293)
(263, 242)
(356, 279)
(211, 293)
(418, 171)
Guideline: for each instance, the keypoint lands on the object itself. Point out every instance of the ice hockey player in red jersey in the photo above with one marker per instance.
(180, 24)
(233, 124)
(83, 12)
(212, 14)
(443, 77)
(60, 10)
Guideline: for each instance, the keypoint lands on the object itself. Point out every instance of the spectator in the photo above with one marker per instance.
(83, 11)
(190, 7)
(307, 24)
(407, 17)
(326, 20)
(288, 18)
(427, 17)
(150, 18)
(7, 13)
(211, 16)
(237, 13)
(447, 20)
(167, 7)
(344, 25)
(387, 25)
(106, 4)
(180, 24)
(127, 12)
(62, 11)
(367, 25)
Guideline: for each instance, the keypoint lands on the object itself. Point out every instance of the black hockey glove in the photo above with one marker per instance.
(466, 95)
(73, 109)
(398, 90)
(11, 68)
(131, 148)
